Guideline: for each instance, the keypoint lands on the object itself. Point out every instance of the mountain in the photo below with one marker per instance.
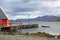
(47, 18)
(43, 18)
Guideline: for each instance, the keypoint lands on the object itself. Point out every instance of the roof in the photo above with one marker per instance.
(2, 15)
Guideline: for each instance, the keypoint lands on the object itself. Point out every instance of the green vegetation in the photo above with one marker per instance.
(54, 21)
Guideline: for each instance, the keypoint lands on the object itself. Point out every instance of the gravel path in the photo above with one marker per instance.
(24, 37)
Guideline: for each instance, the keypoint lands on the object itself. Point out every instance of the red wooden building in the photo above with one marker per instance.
(3, 19)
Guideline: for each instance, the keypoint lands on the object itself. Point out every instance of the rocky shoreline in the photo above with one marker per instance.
(39, 36)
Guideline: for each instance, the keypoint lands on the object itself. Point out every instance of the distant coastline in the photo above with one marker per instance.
(49, 18)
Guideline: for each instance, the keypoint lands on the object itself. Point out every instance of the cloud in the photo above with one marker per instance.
(25, 15)
(15, 8)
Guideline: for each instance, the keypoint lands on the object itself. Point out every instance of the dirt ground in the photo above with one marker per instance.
(24, 37)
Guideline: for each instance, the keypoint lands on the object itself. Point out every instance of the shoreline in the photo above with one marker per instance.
(38, 34)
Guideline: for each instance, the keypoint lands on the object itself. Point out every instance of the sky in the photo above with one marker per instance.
(20, 9)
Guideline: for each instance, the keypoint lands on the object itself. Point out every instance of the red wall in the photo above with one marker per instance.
(0, 23)
(4, 22)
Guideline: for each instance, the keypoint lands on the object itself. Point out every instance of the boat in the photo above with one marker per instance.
(45, 26)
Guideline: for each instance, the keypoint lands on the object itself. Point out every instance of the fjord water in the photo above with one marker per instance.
(53, 29)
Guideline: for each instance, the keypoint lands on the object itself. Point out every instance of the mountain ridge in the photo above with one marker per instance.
(43, 18)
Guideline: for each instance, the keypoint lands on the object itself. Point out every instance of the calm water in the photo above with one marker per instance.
(53, 29)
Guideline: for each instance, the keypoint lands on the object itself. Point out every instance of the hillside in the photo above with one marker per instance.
(43, 18)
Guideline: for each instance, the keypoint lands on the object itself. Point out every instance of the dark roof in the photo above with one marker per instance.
(2, 15)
